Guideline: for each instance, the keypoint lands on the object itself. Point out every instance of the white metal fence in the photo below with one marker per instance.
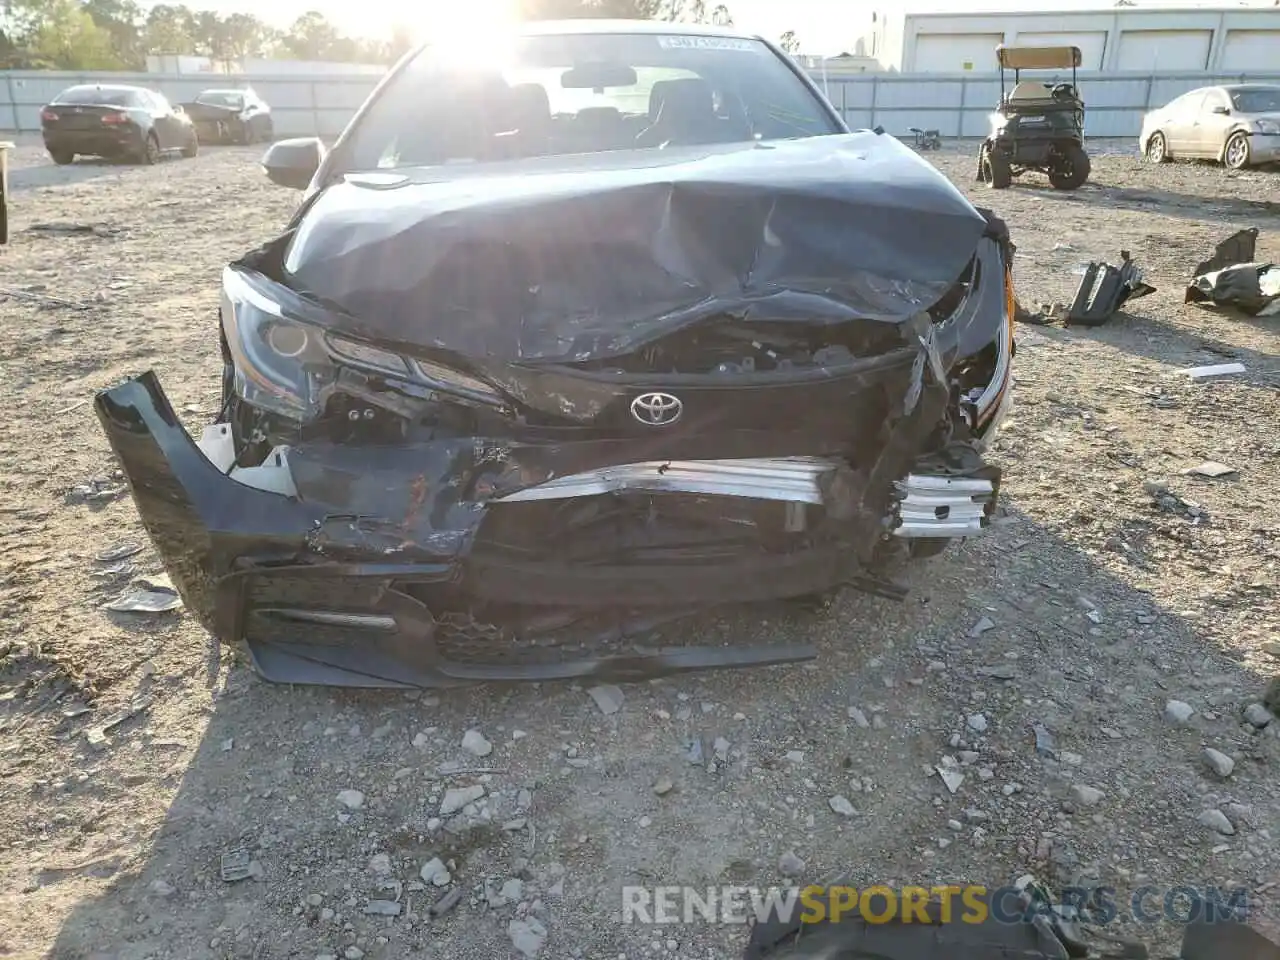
(955, 104)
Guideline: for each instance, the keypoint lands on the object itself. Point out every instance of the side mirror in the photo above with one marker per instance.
(292, 163)
(1224, 111)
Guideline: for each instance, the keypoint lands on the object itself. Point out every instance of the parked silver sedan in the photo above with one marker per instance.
(1237, 125)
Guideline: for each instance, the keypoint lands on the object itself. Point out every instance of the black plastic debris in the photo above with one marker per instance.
(235, 865)
(1231, 277)
(1104, 289)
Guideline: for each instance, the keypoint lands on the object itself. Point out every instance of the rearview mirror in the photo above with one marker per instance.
(292, 163)
(597, 76)
(1225, 111)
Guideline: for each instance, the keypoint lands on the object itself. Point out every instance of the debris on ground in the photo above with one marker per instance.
(1213, 370)
(1231, 277)
(607, 697)
(148, 599)
(1104, 289)
(234, 865)
(1211, 469)
(96, 491)
(121, 551)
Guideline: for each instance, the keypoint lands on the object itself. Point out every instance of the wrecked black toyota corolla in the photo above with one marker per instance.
(627, 329)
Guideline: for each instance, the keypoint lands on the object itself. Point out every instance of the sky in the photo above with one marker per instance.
(823, 26)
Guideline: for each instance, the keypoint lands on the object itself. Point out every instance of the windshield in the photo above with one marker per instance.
(107, 96)
(221, 99)
(584, 93)
(1257, 100)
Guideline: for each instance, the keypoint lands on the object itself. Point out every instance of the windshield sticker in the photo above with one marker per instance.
(705, 43)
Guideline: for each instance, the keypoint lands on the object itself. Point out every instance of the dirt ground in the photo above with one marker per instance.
(1104, 602)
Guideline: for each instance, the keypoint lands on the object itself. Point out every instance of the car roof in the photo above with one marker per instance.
(119, 87)
(1242, 87)
(591, 25)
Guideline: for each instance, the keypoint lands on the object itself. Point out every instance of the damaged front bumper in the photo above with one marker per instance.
(335, 564)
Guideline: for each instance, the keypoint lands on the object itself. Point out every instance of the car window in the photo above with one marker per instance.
(159, 102)
(105, 96)
(1189, 105)
(585, 93)
(1214, 98)
(1257, 100)
(220, 99)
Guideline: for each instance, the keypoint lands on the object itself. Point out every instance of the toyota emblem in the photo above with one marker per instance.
(657, 409)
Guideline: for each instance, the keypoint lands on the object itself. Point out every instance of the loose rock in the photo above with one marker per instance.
(1086, 796)
(458, 797)
(1256, 715)
(1217, 821)
(474, 742)
(977, 723)
(527, 936)
(1218, 762)
(789, 865)
(351, 799)
(1176, 711)
(435, 873)
(841, 805)
(607, 697)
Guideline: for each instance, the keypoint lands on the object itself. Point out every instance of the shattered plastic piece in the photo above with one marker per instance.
(1231, 277)
(1212, 469)
(235, 865)
(1104, 289)
(951, 777)
(146, 601)
(120, 551)
(981, 627)
(1213, 370)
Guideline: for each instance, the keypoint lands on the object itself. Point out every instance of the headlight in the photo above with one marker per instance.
(1269, 127)
(287, 361)
(281, 364)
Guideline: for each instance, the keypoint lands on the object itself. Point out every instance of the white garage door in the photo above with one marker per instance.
(1092, 45)
(1251, 50)
(957, 52)
(1161, 51)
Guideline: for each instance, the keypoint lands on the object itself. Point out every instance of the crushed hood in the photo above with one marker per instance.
(592, 256)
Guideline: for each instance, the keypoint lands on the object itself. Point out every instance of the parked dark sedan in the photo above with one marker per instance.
(117, 122)
(632, 329)
(231, 116)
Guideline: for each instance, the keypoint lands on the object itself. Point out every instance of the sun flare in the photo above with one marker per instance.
(472, 26)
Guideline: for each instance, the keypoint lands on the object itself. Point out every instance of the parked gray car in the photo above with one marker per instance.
(1238, 125)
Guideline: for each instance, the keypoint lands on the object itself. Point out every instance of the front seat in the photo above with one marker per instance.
(682, 112)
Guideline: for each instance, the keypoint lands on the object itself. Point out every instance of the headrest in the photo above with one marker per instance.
(529, 105)
(688, 95)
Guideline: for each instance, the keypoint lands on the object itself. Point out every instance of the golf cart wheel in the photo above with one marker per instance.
(1236, 154)
(1069, 168)
(996, 172)
(1157, 148)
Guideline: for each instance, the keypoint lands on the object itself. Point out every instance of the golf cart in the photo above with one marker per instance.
(1036, 126)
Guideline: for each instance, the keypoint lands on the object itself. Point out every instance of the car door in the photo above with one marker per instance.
(1213, 122)
(1182, 119)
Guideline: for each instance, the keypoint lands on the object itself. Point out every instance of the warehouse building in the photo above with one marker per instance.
(1224, 40)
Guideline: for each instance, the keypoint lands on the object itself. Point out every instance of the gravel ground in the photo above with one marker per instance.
(1087, 610)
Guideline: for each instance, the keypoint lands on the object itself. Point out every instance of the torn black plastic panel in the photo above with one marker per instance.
(1104, 289)
(1232, 278)
(571, 259)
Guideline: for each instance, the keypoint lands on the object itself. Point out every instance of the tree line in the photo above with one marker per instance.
(121, 34)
